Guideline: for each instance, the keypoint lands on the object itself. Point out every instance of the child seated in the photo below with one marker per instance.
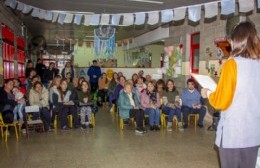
(19, 98)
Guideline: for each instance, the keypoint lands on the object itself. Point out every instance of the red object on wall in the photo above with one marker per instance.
(194, 51)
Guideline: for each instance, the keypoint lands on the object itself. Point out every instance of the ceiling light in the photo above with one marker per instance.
(148, 1)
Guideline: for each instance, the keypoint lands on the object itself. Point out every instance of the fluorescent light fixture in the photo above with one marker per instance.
(72, 12)
(148, 1)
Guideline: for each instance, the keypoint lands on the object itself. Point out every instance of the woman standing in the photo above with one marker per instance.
(150, 102)
(238, 95)
(39, 96)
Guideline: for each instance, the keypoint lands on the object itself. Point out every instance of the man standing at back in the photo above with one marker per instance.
(94, 72)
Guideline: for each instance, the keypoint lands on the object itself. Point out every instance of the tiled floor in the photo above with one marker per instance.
(107, 147)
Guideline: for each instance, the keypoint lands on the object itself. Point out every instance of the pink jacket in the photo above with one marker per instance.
(145, 100)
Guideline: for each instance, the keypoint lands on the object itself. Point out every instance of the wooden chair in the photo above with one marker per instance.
(4, 125)
(34, 121)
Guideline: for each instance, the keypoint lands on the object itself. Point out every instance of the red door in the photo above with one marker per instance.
(195, 52)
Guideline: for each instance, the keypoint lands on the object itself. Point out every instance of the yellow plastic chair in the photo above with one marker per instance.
(93, 119)
(121, 124)
(164, 120)
(196, 117)
(3, 125)
(70, 119)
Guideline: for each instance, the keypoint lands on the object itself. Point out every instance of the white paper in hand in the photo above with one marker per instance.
(205, 81)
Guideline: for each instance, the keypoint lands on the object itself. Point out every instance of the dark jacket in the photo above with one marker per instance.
(49, 75)
(40, 69)
(5, 100)
(94, 70)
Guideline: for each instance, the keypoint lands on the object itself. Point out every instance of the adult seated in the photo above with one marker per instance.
(64, 104)
(171, 104)
(129, 107)
(111, 88)
(119, 87)
(85, 98)
(150, 102)
(103, 89)
(39, 96)
(191, 104)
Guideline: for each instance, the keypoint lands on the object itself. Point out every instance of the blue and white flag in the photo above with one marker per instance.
(115, 19)
(55, 17)
(42, 14)
(26, 9)
(153, 18)
(246, 5)
(11, 3)
(35, 12)
(211, 9)
(166, 15)
(48, 15)
(227, 7)
(95, 19)
(61, 18)
(68, 18)
(77, 19)
(258, 4)
(139, 18)
(128, 19)
(194, 13)
(19, 6)
(179, 13)
(87, 20)
(105, 18)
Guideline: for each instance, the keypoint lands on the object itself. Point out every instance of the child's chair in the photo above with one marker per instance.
(3, 125)
(70, 119)
(195, 116)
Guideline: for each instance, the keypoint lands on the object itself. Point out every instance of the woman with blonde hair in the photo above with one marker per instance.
(237, 96)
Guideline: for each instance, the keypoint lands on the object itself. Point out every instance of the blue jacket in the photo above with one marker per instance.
(189, 98)
(117, 92)
(94, 70)
(125, 105)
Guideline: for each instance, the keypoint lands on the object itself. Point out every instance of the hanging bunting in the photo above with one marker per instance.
(153, 18)
(139, 18)
(128, 19)
(115, 19)
(211, 9)
(179, 13)
(68, 18)
(105, 18)
(61, 18)
(42, 14)
(227, 7)
(194, 13)
(55, 17)
(95, 19)
(246, 5)
(35, 12)
(48, 15)
(258, 4)
(19, 6)
(166, 15)
(26, 9)
(87, 20)
(11, 3)
(77, 19)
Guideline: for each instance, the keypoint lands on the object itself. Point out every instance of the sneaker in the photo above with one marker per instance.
(157, 128)
(83, 126)
(90, 125)
(185, 126)
(200, 125)
(151, 127)
(139, 131)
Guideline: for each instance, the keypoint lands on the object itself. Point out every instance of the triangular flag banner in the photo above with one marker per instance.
(115, 19)
(55, 17)
(26, 9)
(194, 13)
(153, 18)
(77, 19)
(87, 20)
(61, 18)
(95, 19)
(105, 18)
(19, 6)
(166, 15)
(227, 7)
(68, 18)
(35, 12)
(246, 5)
(128, 19)
(179, 13)
(139, 18)
(42, 14)
(211, 9)
(258, 4)
(48, 15)
(11, 3)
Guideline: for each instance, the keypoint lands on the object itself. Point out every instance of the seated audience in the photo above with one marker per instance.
(64, 105)
(134, 79)
(111, 88)
(53, 89)
(160, 87)
(119, 87)
(191, 104)
(172, 104)
(102, 89)
(18, 83)
(86, 103)
(150, 102)
(50, 74)
(19, 108)
(67, 69)
(129, 107)
(39, 96)
(148, 78)
(28, 80)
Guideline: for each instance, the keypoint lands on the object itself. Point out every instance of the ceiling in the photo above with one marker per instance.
(53, 30)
